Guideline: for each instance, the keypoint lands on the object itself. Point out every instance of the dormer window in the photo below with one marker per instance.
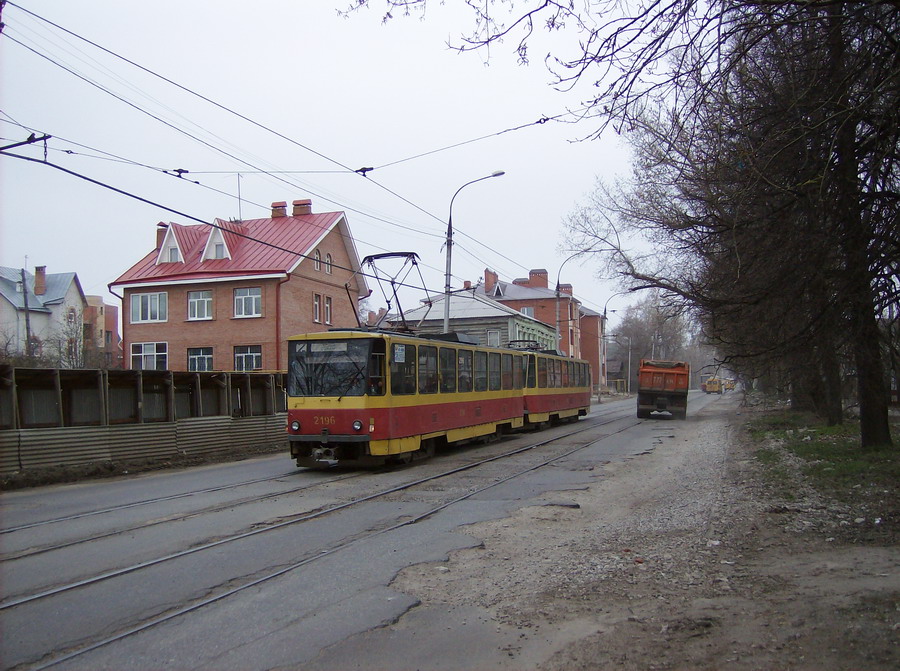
(215, 247)
(169, 251)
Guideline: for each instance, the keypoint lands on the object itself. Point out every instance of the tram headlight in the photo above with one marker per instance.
(357, 425)
(295, 425)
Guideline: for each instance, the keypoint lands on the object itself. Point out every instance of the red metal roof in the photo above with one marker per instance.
(256, 246)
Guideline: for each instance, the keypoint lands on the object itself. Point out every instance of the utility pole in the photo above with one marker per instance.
(28, 352)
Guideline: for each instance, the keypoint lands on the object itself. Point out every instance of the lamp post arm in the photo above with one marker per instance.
(449, 243)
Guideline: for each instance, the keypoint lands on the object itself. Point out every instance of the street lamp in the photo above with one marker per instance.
(496, 173)
(558, 294)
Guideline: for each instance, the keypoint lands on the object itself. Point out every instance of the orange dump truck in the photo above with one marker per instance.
(663, 387)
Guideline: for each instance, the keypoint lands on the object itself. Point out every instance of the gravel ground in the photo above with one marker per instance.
(682, 558)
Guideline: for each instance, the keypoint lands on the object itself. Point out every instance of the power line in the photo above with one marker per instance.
(186, 215)
(273, 174)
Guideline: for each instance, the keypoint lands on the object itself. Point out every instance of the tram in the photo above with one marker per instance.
(363, 398)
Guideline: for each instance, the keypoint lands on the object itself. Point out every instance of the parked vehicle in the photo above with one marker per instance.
(663, 387)
(372, 397)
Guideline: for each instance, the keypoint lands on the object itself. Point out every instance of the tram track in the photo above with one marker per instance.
(31, 552)
(324, 553)
(282, 523)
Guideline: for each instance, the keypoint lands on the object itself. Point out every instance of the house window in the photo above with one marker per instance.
(149, 355)
(71, 315)
(327, 309)
(493, 338)
(219, 250)
(149, 307)
(199, 304)
(174, 256)
(108, 338)
(248, 357)
(317, 308)
(328, 263)
(317, 260)
(248, 302)
(528, 311)
(200, 359)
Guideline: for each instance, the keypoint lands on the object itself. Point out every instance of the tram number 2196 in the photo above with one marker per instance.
(324, 420)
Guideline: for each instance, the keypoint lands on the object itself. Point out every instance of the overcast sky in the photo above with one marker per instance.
(347, 93)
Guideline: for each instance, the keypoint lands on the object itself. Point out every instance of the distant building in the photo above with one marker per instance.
(102, 343)
(491, 323)
(41, 317)
(227, 296)
(580, 329)
(533, 298)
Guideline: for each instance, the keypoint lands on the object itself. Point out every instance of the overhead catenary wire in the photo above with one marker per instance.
(186, 215)
(274, 173)
(362, 171)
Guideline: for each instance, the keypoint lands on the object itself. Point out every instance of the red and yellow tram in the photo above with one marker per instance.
(366, 398)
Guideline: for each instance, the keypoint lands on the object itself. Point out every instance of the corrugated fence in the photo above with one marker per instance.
(57, 417)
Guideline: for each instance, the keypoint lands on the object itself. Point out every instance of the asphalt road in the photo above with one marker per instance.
(260, 565)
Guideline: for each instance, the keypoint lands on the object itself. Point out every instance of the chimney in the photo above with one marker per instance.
(467, 285)
(40, 280)
(490, 280)
(302, 207)
(537, 278)
(565, 289)
(279, 209)
(161, 229)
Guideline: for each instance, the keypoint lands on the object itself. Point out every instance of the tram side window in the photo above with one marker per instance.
(554, 373)
(519, 364)
(448, 370)
(403, 369)
(494, 371)
(481, 375)
(542, 372)
(465, 370)
(566, 373)
(531, 372)
(506, 371)
(428, 369)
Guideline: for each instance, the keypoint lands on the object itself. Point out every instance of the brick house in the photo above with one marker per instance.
(227, 296)
(533, 297)
(580, 329)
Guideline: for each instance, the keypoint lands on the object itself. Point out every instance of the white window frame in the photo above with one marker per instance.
(150, 352)
(199, 306)
(317, 260)
(317, 308)
(150, 308)
(251, 300)
(328, 311)
(329, 263)
(493, 338)
(245, 353)
(528, 311)
(200, 355)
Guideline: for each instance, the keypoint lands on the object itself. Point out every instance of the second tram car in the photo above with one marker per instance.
(366, 398)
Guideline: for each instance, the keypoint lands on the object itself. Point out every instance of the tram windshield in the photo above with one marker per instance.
(328, 367)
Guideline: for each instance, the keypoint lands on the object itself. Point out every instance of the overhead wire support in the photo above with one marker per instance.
(31, 140)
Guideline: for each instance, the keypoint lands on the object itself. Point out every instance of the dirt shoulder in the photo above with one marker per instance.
(685, 557)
